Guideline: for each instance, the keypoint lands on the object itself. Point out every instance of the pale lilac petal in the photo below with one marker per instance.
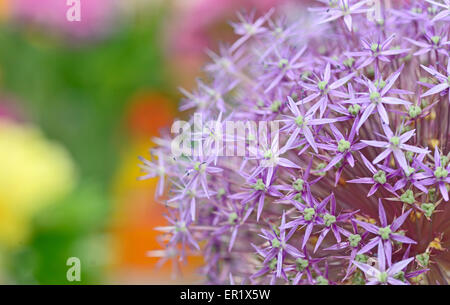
(436, 89)
(382, 213)
(397, 267)
(402, 239)
(397, 223)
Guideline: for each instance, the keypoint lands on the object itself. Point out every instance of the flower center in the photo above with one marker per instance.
(343, 145)
(283, 63)
(374, 47)
(299, 120)
(298, 185)
(410, 171)
(349, 62)
(414, 111)
(268, 154)
(275, 107)
(395, 141)
(382, 277)
(232, 218)
(400, 276)
(308, 213)
(301, 264)
(200, 167)
(423, 259)
(354, 239)
(320, 280)
(375, 97)
(440, 172)
(322, 85)
(180, 227)
(361, 258)
(329, 219)
(354, 109)
(385, 232)
(407, 197)
(380, 177)
(428, 209)
(276, 243)
(259, 185)
(436, 39)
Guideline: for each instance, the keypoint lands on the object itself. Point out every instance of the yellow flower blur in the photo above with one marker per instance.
(34, 172)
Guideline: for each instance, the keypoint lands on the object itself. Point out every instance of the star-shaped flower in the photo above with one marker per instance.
(395, 144)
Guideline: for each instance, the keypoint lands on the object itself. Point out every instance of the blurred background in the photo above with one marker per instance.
(79, 101)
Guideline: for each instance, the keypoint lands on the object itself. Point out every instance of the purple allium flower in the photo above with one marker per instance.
(364, 124)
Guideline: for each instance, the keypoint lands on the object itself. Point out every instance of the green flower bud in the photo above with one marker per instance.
(400, 276)
(320, 280)
(432, 194)
(276, 243)
(354, 109)
(343, 145)
(275, 107)
(298, 185)
(394, 141)
(232, 218)
(380, 177)
(382, 277)
(298, 197)
(220, 193)
(384, 232)
(423, 259)
(374, 47)
(301, 264)
(268, 154)
(200, 167)
(440, 172)
(407, 197)
(339, 164)
(308, 214)
(444, 160)
(414, 111)
(305, 75)
(299, 120)
(409, 171)
(180, 227)
(322, 85)
(361, 258)
(259, 185)
(428, 209)
(283, 63)
(436, 39)
(358, 278)
(375, 96)
(329, 219)
(409, 155)
(354, 240)
(319, 167)
(349, 62)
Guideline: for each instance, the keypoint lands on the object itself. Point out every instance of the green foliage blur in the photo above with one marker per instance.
(77, 94)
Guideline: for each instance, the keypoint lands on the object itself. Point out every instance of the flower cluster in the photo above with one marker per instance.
(358, 191)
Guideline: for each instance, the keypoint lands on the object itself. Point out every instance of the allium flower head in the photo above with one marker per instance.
(350, 182)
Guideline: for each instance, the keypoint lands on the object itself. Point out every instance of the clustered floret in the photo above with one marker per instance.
(358, 191)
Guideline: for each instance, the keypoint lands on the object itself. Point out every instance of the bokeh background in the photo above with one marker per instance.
(79, 101)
